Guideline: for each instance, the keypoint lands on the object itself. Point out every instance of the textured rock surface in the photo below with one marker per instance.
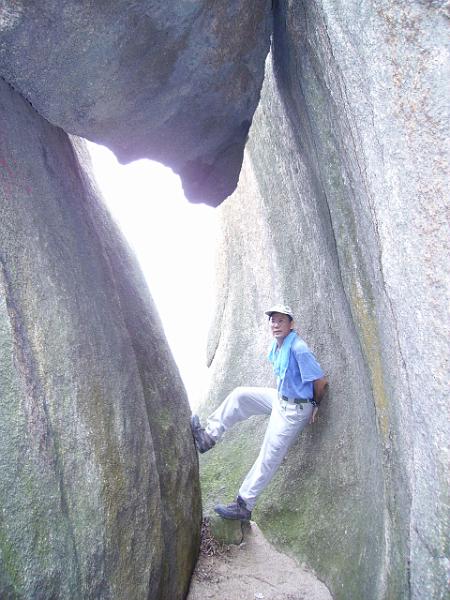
(225, 531)
(340, 210)
(98, 475)
(253, 570)
(177, 82)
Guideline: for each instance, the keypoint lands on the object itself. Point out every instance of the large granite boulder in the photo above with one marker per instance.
(176, 81)
(99, 490)
(340, 211)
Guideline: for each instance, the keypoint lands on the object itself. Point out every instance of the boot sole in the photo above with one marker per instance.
(231, 517)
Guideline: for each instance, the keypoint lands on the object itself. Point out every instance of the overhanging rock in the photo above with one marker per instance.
(176, 82)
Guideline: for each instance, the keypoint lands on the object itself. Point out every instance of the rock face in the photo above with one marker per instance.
(177, 82)
(340, 212)
(98, 475)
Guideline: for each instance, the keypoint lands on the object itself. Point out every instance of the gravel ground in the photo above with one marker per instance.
(254, 570)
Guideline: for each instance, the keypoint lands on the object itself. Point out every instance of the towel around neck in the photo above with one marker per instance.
(279, 357)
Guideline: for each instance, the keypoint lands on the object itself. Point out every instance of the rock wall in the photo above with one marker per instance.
(340, 211)
(174, 81)
(98, 475)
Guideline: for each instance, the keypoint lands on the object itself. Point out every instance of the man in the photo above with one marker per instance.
(300, 388)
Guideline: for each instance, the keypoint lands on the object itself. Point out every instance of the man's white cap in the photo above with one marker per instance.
(280, 308)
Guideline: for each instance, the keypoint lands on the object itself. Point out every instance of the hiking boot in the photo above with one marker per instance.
(236, 510)
(203, 440)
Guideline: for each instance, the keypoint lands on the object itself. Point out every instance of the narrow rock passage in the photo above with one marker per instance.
(254, 570)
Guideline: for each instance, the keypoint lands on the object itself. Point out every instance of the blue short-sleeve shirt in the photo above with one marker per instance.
(302, 370)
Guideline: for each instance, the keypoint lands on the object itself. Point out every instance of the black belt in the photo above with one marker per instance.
(295, 400)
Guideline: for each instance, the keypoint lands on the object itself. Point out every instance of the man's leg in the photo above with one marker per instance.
(286, 422)
(240, 404)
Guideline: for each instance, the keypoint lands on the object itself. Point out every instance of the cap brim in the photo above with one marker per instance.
(269, 313)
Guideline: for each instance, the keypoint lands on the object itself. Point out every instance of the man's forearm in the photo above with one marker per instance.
(320, 386)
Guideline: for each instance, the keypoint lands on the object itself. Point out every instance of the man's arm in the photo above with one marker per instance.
(319, 386)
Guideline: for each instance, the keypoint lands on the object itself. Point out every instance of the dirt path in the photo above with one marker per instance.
(252, 571)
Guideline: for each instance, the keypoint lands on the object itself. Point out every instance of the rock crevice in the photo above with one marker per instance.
(340, 212)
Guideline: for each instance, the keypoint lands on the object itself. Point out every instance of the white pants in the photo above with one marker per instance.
(286, 421)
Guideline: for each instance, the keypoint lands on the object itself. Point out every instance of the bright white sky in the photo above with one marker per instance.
(174, 244)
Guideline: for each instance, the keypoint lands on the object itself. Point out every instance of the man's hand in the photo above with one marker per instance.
(314, 413)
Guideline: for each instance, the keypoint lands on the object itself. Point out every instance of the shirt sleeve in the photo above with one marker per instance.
(310, 369)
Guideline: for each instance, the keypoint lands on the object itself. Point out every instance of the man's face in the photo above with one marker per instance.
(281, 326)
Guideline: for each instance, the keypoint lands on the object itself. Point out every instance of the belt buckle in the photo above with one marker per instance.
(298, 403)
